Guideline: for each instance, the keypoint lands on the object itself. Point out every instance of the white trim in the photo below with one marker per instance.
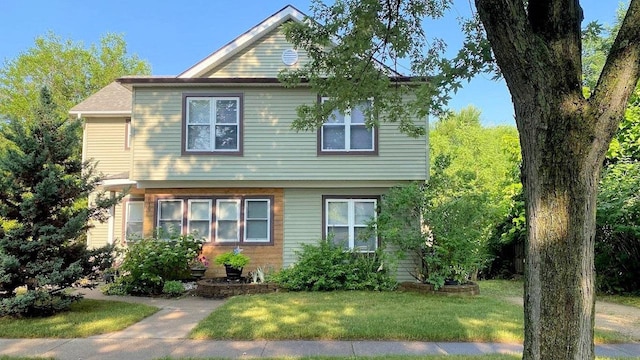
(351, 215)
(160, 218)
(237, 219)
(242, 41)
(213, 122)
(96, 113)
(189, 217)
(246, 219)
(347, 124)
(127, 216)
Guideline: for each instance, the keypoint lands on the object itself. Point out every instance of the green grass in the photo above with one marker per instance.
(87, 317)
(376, 316)
(364, 315)
(621, 299)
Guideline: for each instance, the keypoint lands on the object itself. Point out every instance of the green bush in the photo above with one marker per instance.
(326, 267)
(149, 263)
(173, 288)
(114, 288)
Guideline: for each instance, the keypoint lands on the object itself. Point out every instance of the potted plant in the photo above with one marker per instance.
(198, 266)
(233, 262)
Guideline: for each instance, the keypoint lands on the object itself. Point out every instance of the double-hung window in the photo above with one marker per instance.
(134, 216)
(170, 217)
(347, 132)
(228, 220)
(199, 218)
(347, 223)
(212, 124)
(257, 220)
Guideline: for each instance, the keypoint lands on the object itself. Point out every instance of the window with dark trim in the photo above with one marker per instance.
(346, 221)
(347, 133)
(221, 220)
(212, 124)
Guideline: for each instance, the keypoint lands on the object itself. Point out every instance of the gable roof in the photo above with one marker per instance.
(287, 13)
(113, 99)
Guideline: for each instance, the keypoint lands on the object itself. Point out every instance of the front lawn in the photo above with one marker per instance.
(87, 317)
(359, 315)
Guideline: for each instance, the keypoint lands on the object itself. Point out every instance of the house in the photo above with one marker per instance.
(212, 150)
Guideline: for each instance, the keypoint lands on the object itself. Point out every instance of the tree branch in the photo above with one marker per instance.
(619, 75)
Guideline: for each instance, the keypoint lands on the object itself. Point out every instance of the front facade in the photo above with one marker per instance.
(211, 152)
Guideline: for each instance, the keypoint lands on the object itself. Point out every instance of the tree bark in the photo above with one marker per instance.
(564, 138)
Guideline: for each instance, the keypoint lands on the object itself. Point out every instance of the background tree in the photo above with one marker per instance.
(43, 212)
(70, 71)
(469, 191)
(564, 136)
(617, 249)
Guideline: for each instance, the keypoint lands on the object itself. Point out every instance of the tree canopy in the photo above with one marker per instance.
(68, 69)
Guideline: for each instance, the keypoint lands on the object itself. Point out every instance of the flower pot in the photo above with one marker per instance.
(233, 274)
(197, 273)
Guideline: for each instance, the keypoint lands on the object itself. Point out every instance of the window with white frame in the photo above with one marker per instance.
(133, 223)
(257, 215)
(212, 124)
(228, 220)
(347, 223)
(347, 132)
(170, 216)
(199, 218)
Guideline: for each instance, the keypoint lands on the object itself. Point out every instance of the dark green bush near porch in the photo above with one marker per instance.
(149, 263)
(326, 267)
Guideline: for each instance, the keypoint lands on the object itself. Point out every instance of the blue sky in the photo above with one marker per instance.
(173, 35)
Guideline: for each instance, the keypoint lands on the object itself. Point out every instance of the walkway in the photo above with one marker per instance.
(165, 334)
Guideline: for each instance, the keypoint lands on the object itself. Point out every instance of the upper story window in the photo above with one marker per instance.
(212, 124)
(346, 133)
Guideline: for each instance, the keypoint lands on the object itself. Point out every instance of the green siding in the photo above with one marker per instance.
(262, 59)
(303, 220)
(272, 151)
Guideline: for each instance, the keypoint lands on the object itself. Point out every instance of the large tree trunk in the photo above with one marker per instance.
(560, 184)
(564, 138)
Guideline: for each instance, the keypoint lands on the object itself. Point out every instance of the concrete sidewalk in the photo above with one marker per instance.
(165, 334)
(152, 348)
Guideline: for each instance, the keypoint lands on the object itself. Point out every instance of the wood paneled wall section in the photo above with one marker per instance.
(269, 257)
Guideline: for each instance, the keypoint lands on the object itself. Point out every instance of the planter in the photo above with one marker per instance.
(233, 274)
(197, 273)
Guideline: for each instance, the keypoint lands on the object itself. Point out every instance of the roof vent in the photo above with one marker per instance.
(289, 57)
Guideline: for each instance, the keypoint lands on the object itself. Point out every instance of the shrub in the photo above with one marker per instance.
(173, 288)
(114, 288)
(149, 263)
(326, 267)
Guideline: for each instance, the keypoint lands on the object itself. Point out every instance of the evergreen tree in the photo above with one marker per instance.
(44, 213)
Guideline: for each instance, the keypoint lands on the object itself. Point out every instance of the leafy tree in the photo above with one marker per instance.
(70, 71)
(43, 212)
(617, 246)
(618, 229)
(564, 136)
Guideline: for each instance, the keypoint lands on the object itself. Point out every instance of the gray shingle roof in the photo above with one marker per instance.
(111, 98)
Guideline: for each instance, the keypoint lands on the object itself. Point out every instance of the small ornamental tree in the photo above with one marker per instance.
(43, 212)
